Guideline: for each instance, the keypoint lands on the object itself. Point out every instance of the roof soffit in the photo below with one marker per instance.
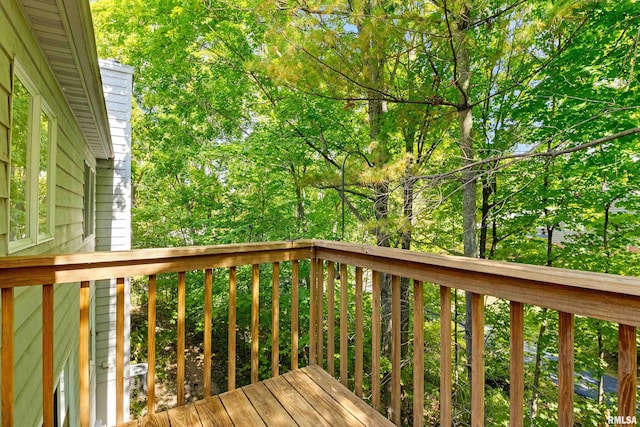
(64, 30)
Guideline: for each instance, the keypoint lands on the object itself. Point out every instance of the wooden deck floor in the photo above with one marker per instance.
(305, 397)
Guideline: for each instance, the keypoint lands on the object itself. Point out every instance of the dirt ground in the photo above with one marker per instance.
(165, 390)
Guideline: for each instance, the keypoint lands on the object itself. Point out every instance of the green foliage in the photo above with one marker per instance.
(245, 112)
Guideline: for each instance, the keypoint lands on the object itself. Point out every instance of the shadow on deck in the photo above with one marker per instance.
(305, 397)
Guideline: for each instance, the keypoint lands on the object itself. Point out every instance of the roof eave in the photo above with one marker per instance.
(87, 101)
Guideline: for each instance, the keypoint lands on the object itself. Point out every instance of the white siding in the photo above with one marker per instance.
(113, 232)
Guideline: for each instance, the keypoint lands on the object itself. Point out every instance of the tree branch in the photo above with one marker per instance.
(339, 190)
(548, 154)
(497, 14)
(544, 65)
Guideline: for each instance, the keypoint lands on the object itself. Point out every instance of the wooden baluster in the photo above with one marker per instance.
(312, 312)
(182, 297)
(83, 352)
(295, 277)
(275, 320)
(255, 321)
(343, 324)
(565, 369)
(359, 333)
(445, 356)
(7, 357)
(395, 350)
(477, 360)
(418, 353)
(47, 354)
(516, 382)
(151, 346)
(627, 368)
(320, 310)
(375, 340)
(331, 316)
(231, 332)
(120, 350)
(208, 306)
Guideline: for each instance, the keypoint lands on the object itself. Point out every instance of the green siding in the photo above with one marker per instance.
(16, 40)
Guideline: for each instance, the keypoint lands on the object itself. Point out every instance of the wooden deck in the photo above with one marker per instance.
(304, 397)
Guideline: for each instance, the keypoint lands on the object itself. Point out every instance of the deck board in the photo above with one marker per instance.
(307, 396)
(157, 420)
(239, 407)
(184, 416)
(365, 413)
(301, 410)
(322, 402)
(269, 408)
(212, 413)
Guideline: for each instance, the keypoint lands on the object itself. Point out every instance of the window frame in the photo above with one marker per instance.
(51, 175)
(37, 108)
(89, 202)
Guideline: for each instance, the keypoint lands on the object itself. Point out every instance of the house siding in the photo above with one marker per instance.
(113, 233)
(17, 40)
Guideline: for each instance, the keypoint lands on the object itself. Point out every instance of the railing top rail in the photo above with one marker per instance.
(53, 269)
(602, 296)
(605, 296)
(560, 276)
(146, 254)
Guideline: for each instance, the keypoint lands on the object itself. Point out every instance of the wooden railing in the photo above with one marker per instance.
(607, 297)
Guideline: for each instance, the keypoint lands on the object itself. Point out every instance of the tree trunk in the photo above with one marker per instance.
(487, 190)
(300, 215)
(406, 236)
(494, 239)
(601, 358)
(469, 180)
(607, 252)
(533, 407)
(300, 212)
(381, 204)
(605, 236)
(549, 227)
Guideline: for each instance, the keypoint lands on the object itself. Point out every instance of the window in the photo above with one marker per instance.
(89, 200)
(63, 411)
(32, 184)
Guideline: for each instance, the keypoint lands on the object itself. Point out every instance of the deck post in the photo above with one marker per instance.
(320, 310)
(344, 283)
(312, 310)
(331, 318)
(7, 357)
(418, 353)
(627, 369)
(151, 346)
(255, 321)
(516, 382)
(295, 277)
(83, 353)
(231, 339)
(47, 355)
(208, 283)
(445, 356)
(477, 360)
(396, 367)
(119, 350)
(565, 369)
(375, 340)
(275, 319)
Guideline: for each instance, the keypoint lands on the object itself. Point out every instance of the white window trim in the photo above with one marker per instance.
(37, 107)
(92, 183)
(51, 174)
